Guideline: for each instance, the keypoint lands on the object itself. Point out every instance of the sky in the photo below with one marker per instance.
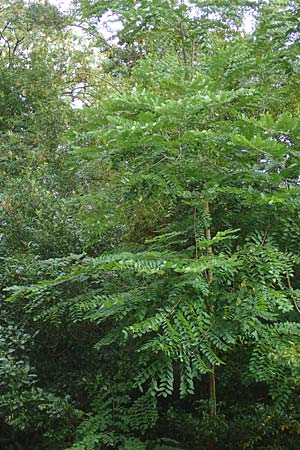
(64, 5)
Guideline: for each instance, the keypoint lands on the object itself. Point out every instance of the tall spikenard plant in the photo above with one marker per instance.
(191, 133)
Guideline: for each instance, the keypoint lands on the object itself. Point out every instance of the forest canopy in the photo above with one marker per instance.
(150, 225)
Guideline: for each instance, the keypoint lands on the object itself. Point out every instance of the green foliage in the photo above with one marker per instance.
(118, 417)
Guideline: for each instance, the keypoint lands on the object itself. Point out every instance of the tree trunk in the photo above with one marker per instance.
(212, 375)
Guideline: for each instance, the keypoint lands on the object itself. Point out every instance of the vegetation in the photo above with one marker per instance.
(150, 225)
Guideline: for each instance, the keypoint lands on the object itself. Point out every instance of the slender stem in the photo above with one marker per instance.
(192, 58)
(208, 238)
(212, 392)
(182, 38)
(195, 232)
(293, 298)
(212, 375)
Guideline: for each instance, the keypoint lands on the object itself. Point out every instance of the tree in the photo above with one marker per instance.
(36, 67)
